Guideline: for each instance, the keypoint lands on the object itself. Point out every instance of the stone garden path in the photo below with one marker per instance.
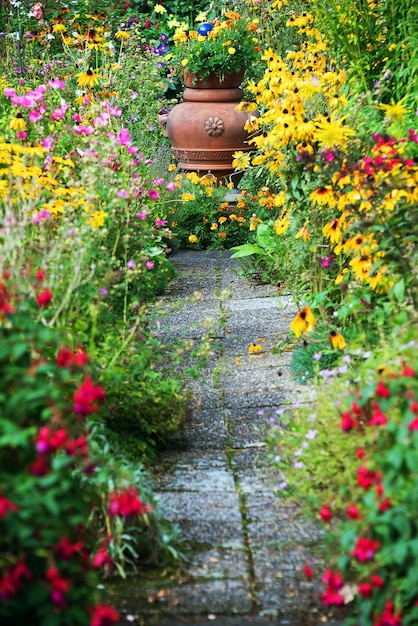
(246, 548)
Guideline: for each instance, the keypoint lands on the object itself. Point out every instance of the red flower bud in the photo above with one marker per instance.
(353, 512)
(325, 514)
(382, 390)
(44, 298)
(365, 589)
(307, 569)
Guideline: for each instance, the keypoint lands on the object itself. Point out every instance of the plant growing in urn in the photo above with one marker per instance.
(225, 45)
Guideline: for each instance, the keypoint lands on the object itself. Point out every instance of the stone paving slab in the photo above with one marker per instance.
(204, 430)
(192, 472)
(252, 399)
(245, 427)
(210, 518)
(269, 523)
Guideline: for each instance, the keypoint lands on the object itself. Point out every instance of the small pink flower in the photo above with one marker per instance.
(170, 186)
(153, 194)
(150, 265)
(34, 116)
(124, 137)
(56, 83)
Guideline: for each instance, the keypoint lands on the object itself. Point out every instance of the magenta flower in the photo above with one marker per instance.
(170, 186)
(34, 116)
(130, 264)
(141, 216)
(124, 137)
(56, 83)
(160, 222)
(153, 195)
(9, 92)
(150, 265)
(326, 260)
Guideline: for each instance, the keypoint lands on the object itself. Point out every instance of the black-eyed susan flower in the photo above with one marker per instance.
(332, 231)
(255, 348)
(337, 340)
(88, 79)
(281, 226)
(304, 322)
(18, 123)
(323, 196)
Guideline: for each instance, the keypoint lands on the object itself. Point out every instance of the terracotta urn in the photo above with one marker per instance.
(205, 130)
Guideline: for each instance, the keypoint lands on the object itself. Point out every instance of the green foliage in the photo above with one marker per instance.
(377, 41)
(201, 217)
(354, 452)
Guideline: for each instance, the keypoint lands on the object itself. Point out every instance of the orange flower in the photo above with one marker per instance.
(304, 322)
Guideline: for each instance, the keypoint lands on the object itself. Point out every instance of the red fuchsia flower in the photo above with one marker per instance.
(40, 466)
(127, 502)
(378, 418)
(40, 275)
(12, 579)
(66, 550)
(64, 357)
(78, 446)
(382, 390)
(360, 453)
(101, 558)
(67, 358)
(356, 409)
(414, 424)
(334, 582)
(385, 505)
(377, 581)
(307, 570)
(365, 590)
(6, 308)
(325, 514)
(48, 441)
(388, 617)
(365, 549)
(104, 616)
(44, 298)
(353, 512)
(347, 422)
(6, 506)
(408, 371)
(86, 397)
(366, 478)
(60, 587)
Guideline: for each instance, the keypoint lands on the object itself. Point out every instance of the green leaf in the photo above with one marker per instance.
(246, 250)
(398, 290)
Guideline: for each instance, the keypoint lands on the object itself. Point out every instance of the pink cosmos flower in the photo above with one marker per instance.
(170, 186)
(153, 194)
(9, 92)
(83, 130)
(124, 137)
(34, 116)
(56, 83)
(59, 113)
